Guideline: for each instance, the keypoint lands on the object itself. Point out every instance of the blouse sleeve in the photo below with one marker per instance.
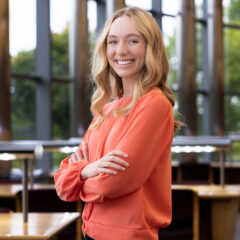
(147, 140)
(68, 179)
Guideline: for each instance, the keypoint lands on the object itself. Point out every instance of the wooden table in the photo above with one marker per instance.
(224, 208)
(40, 225)
(26, 152)
(12, 190)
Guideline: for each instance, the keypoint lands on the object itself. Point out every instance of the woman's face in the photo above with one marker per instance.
(125, 48)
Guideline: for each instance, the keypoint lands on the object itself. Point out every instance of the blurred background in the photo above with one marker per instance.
(46, 83)
(45, 88)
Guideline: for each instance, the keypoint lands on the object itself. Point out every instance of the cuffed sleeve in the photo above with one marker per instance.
(68, 180)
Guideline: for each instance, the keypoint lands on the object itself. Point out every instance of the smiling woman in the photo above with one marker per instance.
(116, 168)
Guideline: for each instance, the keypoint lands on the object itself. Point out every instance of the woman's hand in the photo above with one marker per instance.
(78, 155)
(108, 164)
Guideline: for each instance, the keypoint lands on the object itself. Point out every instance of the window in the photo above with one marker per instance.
(22, 26)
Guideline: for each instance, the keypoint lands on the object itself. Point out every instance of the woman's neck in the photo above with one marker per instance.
(128, 86)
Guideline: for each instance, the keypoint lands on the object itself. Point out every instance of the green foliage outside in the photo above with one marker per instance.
(59, 54)
(233, 12)
(60, 91)
(23, 97)
(232, 70)
(232, 75)
(23, 91)
(171, 53)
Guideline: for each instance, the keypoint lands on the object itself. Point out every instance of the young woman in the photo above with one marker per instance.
(122, 169)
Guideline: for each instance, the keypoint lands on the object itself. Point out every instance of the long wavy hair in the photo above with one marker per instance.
(154, 73)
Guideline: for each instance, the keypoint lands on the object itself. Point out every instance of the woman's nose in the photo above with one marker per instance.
(122, 48)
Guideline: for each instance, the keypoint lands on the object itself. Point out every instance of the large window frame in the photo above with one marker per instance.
(43, 74)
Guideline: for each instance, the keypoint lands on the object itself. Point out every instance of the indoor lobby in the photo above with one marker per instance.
(46, 84)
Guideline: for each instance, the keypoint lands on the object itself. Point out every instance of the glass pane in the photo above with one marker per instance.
(23, 109)
(199, 38)
(235, 154)
(176, 106)
(92, 15)
(57, 157)
(231, 11)
(200, 112)
(199, 8)
(22, 28)
(60, 15)
(169, 37)
(231, 58)
(146, 4)
(232, 114)
(60, 54)
(60, 111)
(177, 115)
(170, 6)
(24, 62)
(92, 24)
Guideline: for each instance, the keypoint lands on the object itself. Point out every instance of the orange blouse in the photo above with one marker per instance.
(136, 202)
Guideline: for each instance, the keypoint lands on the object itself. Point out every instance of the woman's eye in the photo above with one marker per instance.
(133, 41)
(112, 42)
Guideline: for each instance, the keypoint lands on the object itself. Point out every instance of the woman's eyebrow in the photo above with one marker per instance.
(111, 36)
(134, 35)
(128, 35)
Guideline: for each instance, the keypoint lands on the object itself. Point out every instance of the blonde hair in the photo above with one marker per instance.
(154, 72)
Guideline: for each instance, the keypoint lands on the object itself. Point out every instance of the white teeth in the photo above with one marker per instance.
(124, 62)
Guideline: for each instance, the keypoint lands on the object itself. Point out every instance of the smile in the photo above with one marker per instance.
(124, 62)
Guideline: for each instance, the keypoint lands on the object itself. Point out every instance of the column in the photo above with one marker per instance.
(114, 5)
(186, 54)
(43, 87)
(5, 125)
(5, 132)
(80, 91)
(101, 14)
(215, 67)
(157, 12)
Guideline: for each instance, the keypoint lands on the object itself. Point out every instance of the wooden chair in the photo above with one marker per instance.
(195, 173)
(174, 174)
(8, 204)
(232, 175)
